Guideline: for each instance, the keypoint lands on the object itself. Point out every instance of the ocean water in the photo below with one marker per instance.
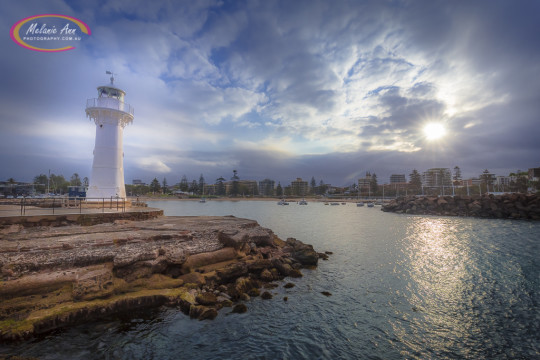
(403, 287)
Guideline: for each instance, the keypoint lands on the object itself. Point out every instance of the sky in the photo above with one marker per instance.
(279, 89)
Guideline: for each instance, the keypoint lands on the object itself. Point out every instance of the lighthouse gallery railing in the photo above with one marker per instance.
(109, 103)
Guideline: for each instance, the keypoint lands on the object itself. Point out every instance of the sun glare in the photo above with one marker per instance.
(434, 131)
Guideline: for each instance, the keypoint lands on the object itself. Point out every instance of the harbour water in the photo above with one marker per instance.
(403, 287)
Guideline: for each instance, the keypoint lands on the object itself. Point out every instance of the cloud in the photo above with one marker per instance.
(283, 89)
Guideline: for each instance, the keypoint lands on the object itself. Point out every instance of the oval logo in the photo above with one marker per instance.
(48, 32)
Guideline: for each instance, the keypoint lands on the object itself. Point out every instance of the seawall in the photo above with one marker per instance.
(506, 206)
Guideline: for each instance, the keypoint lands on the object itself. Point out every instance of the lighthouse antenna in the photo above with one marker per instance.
(112, 76)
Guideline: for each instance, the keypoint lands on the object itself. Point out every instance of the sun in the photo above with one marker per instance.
(434, 131)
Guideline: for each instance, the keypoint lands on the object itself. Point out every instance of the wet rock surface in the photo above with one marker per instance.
(507, 206)
(57, 276)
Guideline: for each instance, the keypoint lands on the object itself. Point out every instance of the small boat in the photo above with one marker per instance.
(282, 202)
(302, 202)
(370, 204)
(343, 203)
(202, 200)
(334, 203)
(360, 204)
(326, 203)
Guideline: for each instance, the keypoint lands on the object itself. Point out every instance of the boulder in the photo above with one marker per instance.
(303, 253)
(202, 312)
(206, 298)
(266, 275)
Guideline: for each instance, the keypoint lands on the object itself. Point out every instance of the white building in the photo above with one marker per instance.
(110, 115)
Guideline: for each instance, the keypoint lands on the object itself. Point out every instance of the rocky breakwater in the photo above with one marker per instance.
(58, 276)
(507, 206)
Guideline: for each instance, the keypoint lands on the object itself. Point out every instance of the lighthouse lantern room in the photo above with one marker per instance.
(110, 114)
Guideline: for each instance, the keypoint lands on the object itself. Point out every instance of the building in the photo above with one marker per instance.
(110, 114)
(266, 187)
(397, 179)
(245, 187)
(437, 177)
(137, 182)
(299, 187)
(364, 183)
(534, 174)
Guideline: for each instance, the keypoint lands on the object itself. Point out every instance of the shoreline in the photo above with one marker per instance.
(53, 277)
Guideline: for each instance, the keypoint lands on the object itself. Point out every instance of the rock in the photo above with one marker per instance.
(206, 298)
(88, 272)
(289, 285)
(232, 238)
(193, 278)
(303, 253)
(175, 256)
(283, 268)
(285, 298)
(295, 273)
(244, 284)
(266, 275)
(202, 312)
(266, 295)
(239, 309)
(326, 293)
(232, 272)
(323, 256)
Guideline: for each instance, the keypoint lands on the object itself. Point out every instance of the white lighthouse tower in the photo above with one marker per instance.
(110, 115)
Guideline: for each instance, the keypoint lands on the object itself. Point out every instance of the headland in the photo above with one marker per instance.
(60, 273)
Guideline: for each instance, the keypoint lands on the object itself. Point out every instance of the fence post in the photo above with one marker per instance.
(53, 201)
(103, 205)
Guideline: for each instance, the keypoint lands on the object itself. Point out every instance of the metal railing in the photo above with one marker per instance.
(62, 205)
(110, 103)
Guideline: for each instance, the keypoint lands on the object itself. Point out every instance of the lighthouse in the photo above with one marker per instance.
(110, 114)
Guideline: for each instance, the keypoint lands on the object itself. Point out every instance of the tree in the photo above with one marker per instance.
(75, 180)
(457, 174)
(279, 190)
(184, 184)
(235, 188)
(322, 188)
(415, 181)
(164, 185)
(40, 182)
(487, 179)
(194, 187)
(374, 187)
(58, 184)
(85, 181)
(154, 186)
(220, 188)
(201, 184)
(313, 185)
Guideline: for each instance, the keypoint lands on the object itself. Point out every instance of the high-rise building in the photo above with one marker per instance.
(266, 187)
(397, 178)
(299, 187)
(437, 177)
